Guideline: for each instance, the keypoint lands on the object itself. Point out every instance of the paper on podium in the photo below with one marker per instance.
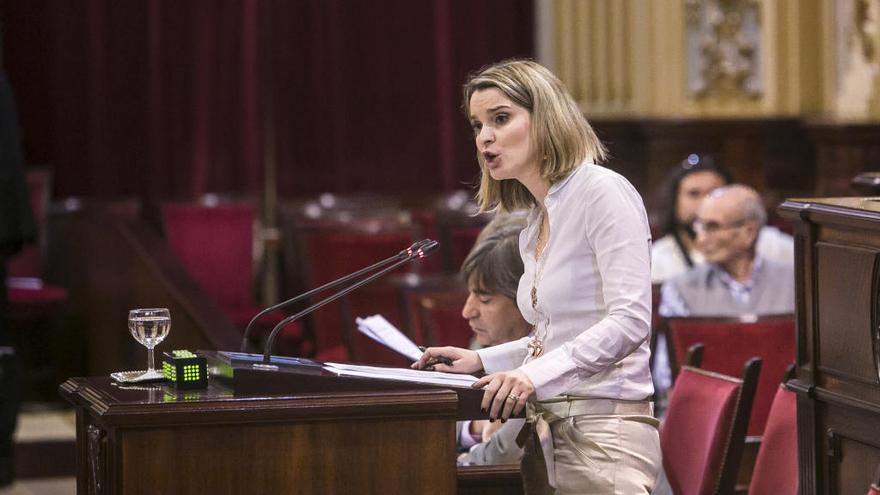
(382, 331)
(402, 374)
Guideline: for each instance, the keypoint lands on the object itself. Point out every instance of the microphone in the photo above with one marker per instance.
(417, 251)
(334, 283)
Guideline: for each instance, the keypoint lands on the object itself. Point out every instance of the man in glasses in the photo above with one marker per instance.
(734, 281)
(675, 251)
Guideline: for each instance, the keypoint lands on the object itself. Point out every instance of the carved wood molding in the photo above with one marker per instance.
(97, 451)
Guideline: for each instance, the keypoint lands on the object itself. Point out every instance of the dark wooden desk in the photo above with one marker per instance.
(837, 269)
(291, 427)
(157, 440)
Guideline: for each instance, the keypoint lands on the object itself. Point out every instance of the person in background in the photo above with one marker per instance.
(675, 252)
(17, 227)
(583, 375)
(735, 280)
(492, 271)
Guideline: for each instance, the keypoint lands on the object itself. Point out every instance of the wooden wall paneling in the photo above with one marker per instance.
(502, 479)
(842, 151)
(626, 150)
(770, 155)
(850, 449)
(845, 312)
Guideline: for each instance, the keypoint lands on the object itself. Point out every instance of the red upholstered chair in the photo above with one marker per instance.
(35, 307)
(462, 240)
(30, 298)
(426, 220)
(875, 484)
(440, 321)
(412, 287)
(658, 323)
(458, 223)
(27, 262)
(330, 254)
(729, 342)
(215, 242)
(776, 468)
(703, 433)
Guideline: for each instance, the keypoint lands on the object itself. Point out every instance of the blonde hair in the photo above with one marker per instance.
(561, 135)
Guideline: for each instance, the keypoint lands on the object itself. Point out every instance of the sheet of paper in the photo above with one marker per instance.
(402, 374)
(381, 330)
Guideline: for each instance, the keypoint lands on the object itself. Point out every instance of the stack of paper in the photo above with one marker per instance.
(382, 331)
(402, 374)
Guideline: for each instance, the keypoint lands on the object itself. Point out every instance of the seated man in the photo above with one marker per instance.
(735, 280)
(675, 252)
(492, 270)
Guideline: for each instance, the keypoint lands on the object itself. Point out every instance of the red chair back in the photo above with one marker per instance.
(215, 244)
(30, 299)
(377, 298)
(426, 220)
(462, 240)
(776, 467)
(331, 254)
(729, 343)
(875, 484)
(440, 321)
(27, 262)
(458, 225)
(703, 432)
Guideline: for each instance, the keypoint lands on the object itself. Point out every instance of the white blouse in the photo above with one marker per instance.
(594, 292)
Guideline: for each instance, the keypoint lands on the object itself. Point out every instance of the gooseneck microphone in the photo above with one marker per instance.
(329, 285)
(417, 251)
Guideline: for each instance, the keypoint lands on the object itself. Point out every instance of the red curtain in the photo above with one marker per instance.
(174, 99)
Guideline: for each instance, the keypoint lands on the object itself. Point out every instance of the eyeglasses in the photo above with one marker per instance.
(712, 227)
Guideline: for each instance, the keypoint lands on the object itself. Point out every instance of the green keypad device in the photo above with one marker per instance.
(185, 370)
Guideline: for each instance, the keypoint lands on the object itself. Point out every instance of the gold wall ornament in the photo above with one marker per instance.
(858, 27)
(724, 48)
(648, 58)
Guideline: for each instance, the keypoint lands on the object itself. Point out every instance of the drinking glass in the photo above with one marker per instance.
(149, 327)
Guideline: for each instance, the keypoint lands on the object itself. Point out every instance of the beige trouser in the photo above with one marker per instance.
(595, 453)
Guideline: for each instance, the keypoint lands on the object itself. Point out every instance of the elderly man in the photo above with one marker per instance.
(688, 184)
(734, 281)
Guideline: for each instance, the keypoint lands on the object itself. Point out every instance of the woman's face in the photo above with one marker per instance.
(494, 318)
(691, 191)
(502, 132)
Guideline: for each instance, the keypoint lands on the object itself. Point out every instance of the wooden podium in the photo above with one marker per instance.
(837, 269)
(292, 428)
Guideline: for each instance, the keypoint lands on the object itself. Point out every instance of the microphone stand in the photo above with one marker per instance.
(426, 247)
(329, 285)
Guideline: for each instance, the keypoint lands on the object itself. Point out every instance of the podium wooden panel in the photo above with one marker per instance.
(837, 258)
(290, 427)
(136, 440)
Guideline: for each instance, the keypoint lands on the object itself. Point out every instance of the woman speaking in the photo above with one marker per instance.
(583, 373)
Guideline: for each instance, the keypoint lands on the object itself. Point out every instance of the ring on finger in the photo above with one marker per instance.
(513, 397)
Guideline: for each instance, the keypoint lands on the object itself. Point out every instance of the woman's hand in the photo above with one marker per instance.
(463, 360)
(505, 394)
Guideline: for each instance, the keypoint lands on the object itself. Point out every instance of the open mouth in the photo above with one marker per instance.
(490, 158)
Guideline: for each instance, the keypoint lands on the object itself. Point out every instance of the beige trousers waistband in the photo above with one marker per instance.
(540, 415)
